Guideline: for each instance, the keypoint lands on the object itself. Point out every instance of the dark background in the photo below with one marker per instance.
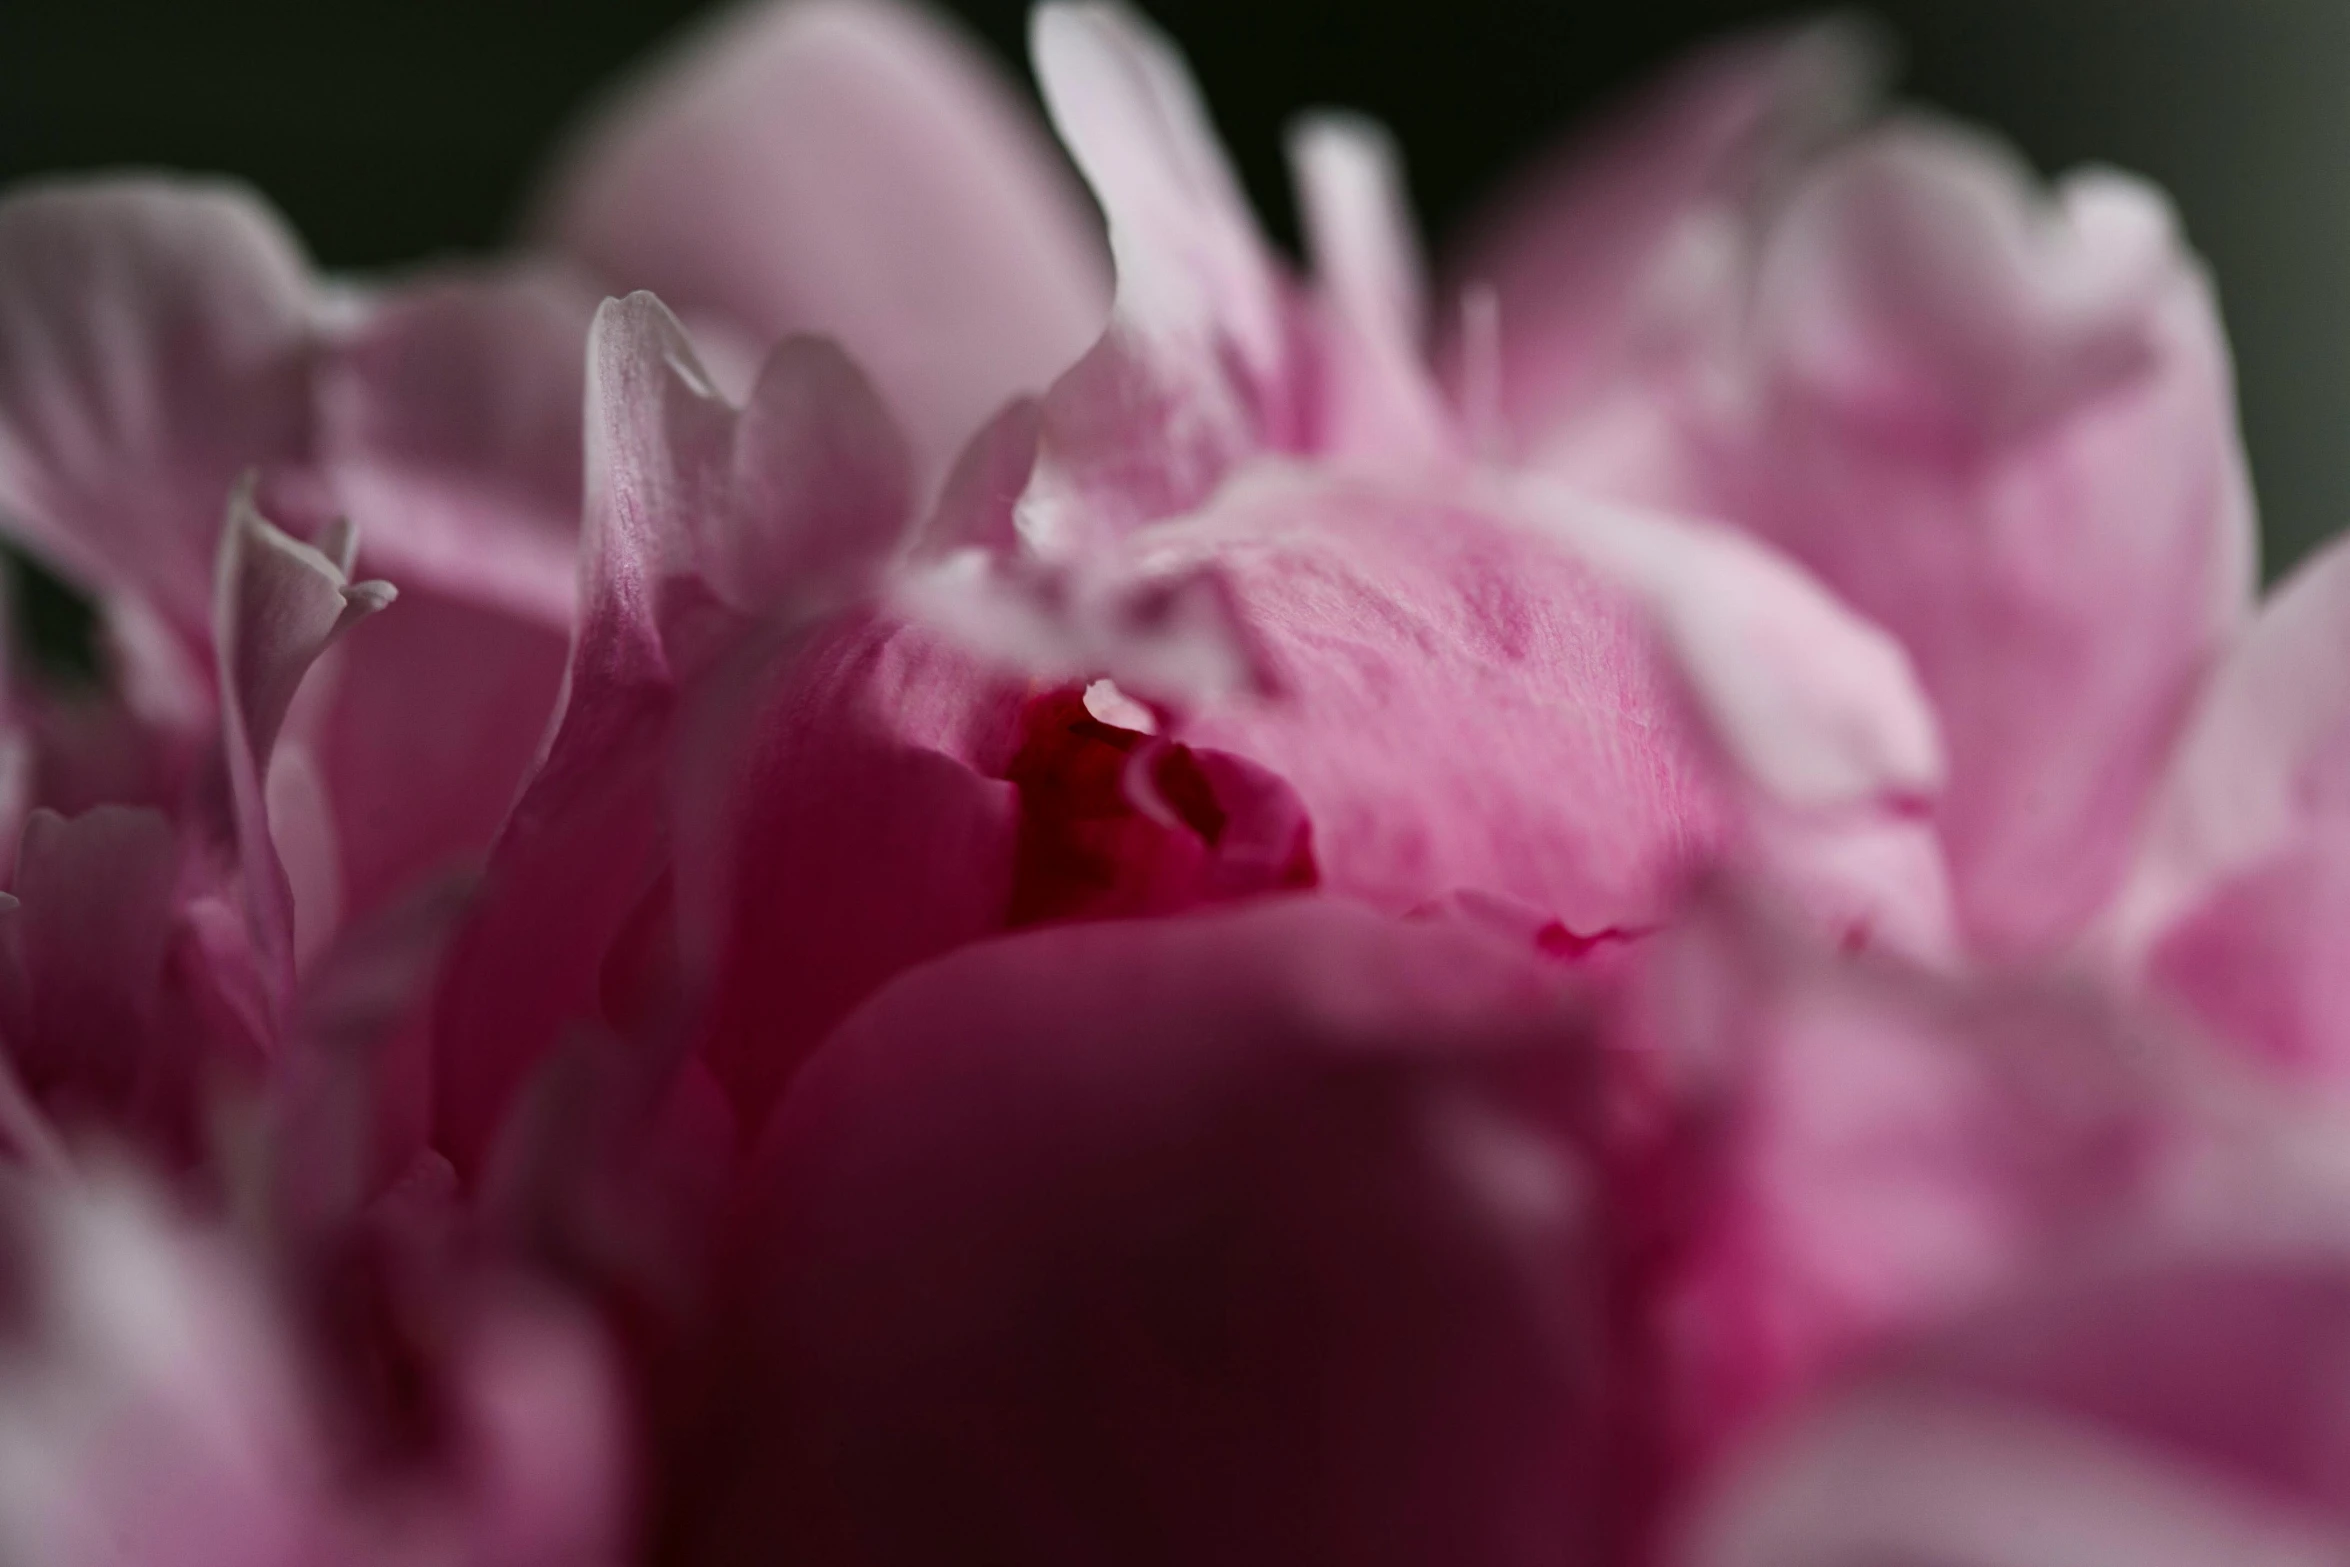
(393, 129)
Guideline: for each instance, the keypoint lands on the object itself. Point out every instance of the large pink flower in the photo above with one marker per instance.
(958, 913)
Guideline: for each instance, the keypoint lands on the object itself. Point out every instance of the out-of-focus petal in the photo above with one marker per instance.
(1198, 369)
(1378, 403)
(2176, 1406)
(2265, 760)
(1602, 252)
(1856, 1150)
(154, 341)
(1303, 1268)
(449, 421)
(149, 1410)
(2260, 960)
(1974, 404)
(851, 168)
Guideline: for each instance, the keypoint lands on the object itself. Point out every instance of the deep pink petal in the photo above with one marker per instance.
(154, 343)
(449, 423)
(1300, 1268)
(851, 168)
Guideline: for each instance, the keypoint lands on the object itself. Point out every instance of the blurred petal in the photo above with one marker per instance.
(1198, 368)
(1303, 1269)
(449, 421)
(2265, 761)
(1585, 258)
(1379, 404)
(2001, 426)
(154, 342)
(851, 168)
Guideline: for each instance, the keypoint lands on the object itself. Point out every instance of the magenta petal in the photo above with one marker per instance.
(154, 344)
(449, 423)
(1300, 1270)
(437, 714)
(1198, 369)
(851, 168)
(1977, 400)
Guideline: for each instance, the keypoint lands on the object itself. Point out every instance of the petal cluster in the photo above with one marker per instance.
(954, 883)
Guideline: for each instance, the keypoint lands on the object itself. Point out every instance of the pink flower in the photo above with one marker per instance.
(958, 914)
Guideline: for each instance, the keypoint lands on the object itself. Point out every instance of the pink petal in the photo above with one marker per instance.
(2263, 764)
(154, 341)
(1463, 706)
(1853, 1151)
(1197, 370)
(852, 168)
(1600, 259)
(449, 422)
(1818, 706)
(1974, 402)
(2258, 960)
(278, 605)
(2156, 1408)
(701, 518)
(1301, 1269)
(1379, 403)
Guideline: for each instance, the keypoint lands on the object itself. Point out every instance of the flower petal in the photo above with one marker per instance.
(154, 340)
(1302, 1267)
(851, 168)
(1197, 370)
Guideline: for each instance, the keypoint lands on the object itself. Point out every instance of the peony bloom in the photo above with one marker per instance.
(956, 884)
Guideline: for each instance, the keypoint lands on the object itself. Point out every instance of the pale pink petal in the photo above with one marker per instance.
(1199, 368)
(154, 340)
(448, 420)
(1600, 259)
(278, 605)
(1378, 401)
(1974, 402)
(1304, 1268)
(149, 1410)
(1818, 706)
(851, 168)
(978, 507)
(2179, 1404)
(2265, 760)
(1851, 1151)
